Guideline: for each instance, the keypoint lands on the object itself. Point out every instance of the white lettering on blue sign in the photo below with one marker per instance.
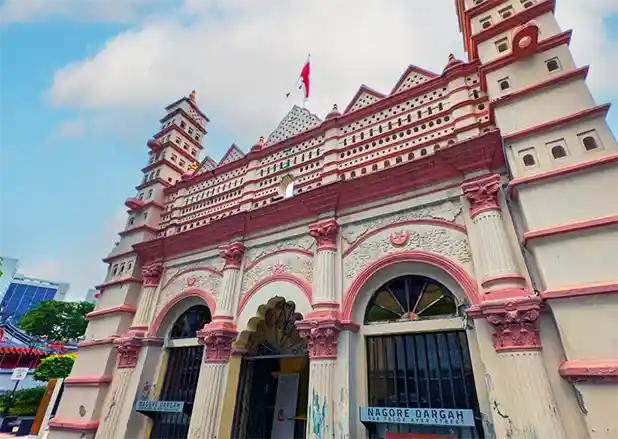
(429, 416)
(159, 406)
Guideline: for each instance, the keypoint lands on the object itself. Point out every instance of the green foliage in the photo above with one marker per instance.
(25, 401)
(58, 321)
(54, 366)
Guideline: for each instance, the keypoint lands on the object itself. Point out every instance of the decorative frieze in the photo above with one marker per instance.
(151, 274)
(232, 254)
(303, 242)
(295, 263)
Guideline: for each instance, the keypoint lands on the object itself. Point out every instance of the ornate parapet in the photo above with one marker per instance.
(217, 338)
(325, 233)
(482, 193)
(232, 254)
(151, 274)
(514, 323)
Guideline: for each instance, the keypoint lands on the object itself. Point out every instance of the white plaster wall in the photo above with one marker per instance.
(567, 98)
(494, 14)
(577, 259)
(601, 405)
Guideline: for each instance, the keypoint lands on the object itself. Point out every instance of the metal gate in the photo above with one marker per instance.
(183, 369)
(428, 370)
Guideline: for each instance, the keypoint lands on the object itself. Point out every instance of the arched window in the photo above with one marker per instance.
(191, 321)
(410, 298)
(558, 152)
(287, 185)
(590, 143)
(529, 160)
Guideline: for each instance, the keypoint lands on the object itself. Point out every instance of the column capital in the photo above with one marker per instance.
(151, 273)
(217, 338)
(514, 323)
(325, 233)
(128, 351)
(322, 337)
(482, 193)
(232, 254)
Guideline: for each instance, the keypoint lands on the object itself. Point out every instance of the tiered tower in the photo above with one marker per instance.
(563, 194)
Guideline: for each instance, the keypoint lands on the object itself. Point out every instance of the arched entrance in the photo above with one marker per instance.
(417, 360)
(182, 371)
(272, 393)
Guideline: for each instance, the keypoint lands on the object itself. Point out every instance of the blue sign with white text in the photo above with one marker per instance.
(396, 415)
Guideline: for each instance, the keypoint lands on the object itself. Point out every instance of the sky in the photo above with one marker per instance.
(84, 82)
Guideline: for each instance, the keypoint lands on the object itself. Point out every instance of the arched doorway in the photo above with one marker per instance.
(182, 371)
(424, 368)
(274, 378)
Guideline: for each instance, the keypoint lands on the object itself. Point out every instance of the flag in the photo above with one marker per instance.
(303, 80)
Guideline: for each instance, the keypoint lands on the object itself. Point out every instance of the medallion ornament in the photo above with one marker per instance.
(151, 273)
(325, 234)
(399, 238)
(232, 254)
(482, 194)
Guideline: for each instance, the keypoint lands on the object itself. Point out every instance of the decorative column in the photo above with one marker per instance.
(217, 338)
(128, 349)
(520, 375)
(321, 329)
(496, 255)
(151, 274)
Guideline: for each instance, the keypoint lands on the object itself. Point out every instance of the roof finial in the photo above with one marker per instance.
(192, 96)
(451, 57)
(261, 141)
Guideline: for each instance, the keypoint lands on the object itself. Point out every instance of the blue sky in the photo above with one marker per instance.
(81, 91)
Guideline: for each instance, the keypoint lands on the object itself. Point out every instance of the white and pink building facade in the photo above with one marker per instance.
(436, 261)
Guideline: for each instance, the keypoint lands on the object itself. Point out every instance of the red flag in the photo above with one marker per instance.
(303, 80)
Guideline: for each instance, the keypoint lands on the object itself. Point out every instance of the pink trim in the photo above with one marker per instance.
(363, 89)
(451, 268)
(276, 252)
(412, 68)
(111, 310)
(93, 343)
(325, 233)
(188, 292)
(428, 221)
(128, 348)
(232, 254)
(482, 193)
(282, 277)
(507, 293)
(609, 159)
(88, 381)
(593, 370)
(334, 305)
(580, 291)
(111, 258)
(579, 226)
(600, 110)
(189, 270)
(117, 281)
(151, 274)
(322, 337)
(78, 425)
(217, 338)
(503, 278)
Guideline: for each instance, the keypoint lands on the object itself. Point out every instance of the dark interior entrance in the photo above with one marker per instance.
(182, 372)
(274, 379)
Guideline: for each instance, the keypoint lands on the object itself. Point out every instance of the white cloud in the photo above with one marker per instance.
(123, 11)
(242, 56)
(80, 264)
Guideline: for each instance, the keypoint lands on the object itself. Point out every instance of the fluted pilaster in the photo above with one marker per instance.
(207, 408)
(232, 254)
(324, 264)
(320, 411)
(535, 412)
(151, 274)
(117, 395)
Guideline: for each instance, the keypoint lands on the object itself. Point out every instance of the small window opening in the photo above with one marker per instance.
(529, 160)
(288, 186)
(504, 84)
(552, 65)
(590, 143)
(558, 152)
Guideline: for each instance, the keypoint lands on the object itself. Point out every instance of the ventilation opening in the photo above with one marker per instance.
(529, 160)
(552, 65)
(504, 84)
(590, 143)
(558, 152)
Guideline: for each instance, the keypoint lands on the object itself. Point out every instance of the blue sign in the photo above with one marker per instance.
(145, 405)
(395, 415)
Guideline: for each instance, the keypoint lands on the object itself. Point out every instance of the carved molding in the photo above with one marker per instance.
(322, 337)
(304, 242)
(217, 339)
(128, 352)
(325, 234)
(514, 324)
(429, 238)
(201, 278)
(284, 262)
(232, 254)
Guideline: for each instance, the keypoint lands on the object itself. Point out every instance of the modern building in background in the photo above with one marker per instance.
(8, 269)
(437, 260)
(25, 293)
(92, 296)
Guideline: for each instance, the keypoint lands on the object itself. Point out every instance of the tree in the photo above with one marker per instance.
(57, 321)
(54, 366)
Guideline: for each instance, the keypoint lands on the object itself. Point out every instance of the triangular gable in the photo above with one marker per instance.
(297, 121)
(231, 155)
(412, 77)
(363, 97)
(207, 164)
